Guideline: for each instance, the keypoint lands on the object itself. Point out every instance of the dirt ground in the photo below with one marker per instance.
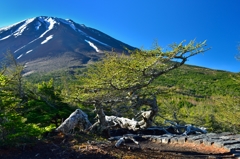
(87, 147)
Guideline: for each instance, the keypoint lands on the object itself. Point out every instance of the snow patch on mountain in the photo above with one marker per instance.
(71, 24)
(20, 48)
(19, 56)
(20, 30)
(92, 45)
(37, 25)
(29, 51)
(47, 39)
(5, 37)
(99, 41)
(49, 22)
(9, 27)
(68, 23)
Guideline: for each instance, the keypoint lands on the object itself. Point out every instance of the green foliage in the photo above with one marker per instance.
(27, 110)
(117, 82)
(13, 128)
(202, 97)
(31, 106)
(45, 106)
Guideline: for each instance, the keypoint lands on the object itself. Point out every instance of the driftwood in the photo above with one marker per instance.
(80, 119)
(130, 124)
(77, 119)
(121, 139)
(145, 117)
(134, 130)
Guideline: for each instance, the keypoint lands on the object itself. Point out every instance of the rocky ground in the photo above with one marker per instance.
(88, 146)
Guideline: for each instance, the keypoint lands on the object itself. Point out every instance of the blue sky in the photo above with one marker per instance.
(141, 22)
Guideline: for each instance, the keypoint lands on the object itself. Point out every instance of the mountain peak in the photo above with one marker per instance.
(43, 38)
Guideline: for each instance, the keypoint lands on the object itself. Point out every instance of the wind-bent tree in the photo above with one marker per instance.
(121, 85)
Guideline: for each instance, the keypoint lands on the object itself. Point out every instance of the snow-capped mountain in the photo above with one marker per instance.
(55, 42)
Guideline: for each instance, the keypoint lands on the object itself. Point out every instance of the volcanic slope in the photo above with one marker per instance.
(48, 43)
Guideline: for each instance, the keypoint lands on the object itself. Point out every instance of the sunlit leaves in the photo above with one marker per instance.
(2, 80)
(117, 75)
